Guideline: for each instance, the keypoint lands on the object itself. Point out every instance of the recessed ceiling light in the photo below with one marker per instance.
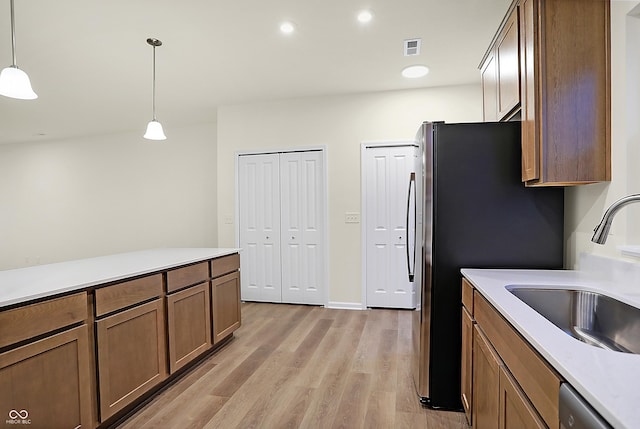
(287, 27)
(413, 72)
(365, 16)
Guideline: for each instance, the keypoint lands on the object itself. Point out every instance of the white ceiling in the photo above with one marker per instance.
(89, 62)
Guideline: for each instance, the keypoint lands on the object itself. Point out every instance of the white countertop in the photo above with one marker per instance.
(607, 380)
(26, 284)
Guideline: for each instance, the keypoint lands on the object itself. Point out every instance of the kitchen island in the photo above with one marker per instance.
(606, 379)
(83, 343)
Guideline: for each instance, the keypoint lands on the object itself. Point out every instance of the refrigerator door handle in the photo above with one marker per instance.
(411, 268)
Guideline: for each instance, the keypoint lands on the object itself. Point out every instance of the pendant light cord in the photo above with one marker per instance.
(153, 95)
(13, 36)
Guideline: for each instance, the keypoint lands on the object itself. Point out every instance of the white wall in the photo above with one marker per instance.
(107, 194)
(340, 123)
(585, 205)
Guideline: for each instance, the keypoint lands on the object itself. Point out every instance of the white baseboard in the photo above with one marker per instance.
(345, 305)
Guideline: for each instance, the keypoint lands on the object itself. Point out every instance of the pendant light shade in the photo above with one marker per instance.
(154, 131)
(15, 83)
(154, 128)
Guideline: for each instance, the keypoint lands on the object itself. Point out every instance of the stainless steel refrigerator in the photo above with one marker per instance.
(469, 209)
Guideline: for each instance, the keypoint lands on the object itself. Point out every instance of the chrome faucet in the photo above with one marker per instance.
(602, 230)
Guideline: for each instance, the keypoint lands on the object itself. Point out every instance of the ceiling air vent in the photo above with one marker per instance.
(412, 47)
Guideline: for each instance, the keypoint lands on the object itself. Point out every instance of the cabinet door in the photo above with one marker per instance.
(516, 412)
(565, 92)
(189, 323)
(528, 85)
(486, 382)
(46, 384)
(467, 364)
(490, 88)
(536, 377)
(131, 355)
(508, 66)
(225, 300)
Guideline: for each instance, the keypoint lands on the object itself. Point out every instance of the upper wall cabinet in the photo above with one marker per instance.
(500, 70)
(489, 74)
(565, 89)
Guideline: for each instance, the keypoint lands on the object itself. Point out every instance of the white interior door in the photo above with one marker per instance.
(259, 212)
(387, 176)
(301, 191)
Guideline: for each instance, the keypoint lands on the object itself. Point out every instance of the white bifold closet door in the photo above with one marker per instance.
(281, 207)
(259, 198)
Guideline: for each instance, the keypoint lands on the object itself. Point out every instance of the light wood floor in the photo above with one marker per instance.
(302, 367)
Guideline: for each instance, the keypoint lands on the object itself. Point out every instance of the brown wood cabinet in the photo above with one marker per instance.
(516, 412)
(508, 70)
(188, 313)
(500, 72)
(512, 386)
(189, 324)
(540, 382)
(565, 91)
(530, 141)
(87, 358)
(46, 383)
(45, 368)
(489, 75)
(225, 302)
(563, 49)
(466, 373)
(116, 297)
(29, 321)
(131, 355)
(187, 276)
(486, 382)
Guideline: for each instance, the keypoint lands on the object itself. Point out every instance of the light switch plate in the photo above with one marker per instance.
(352, 217)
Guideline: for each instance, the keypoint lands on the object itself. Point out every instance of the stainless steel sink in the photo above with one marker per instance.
(590, 317)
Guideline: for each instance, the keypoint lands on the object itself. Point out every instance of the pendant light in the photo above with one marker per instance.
(15, 83)
(154, 128)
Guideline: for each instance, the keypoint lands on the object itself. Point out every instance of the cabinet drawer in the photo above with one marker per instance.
(539, 381)
(122, 295)
(467, 296)
(187, 276)
(225, 264)
(32, 320)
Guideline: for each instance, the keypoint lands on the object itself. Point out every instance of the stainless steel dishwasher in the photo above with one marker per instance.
(576, 413)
